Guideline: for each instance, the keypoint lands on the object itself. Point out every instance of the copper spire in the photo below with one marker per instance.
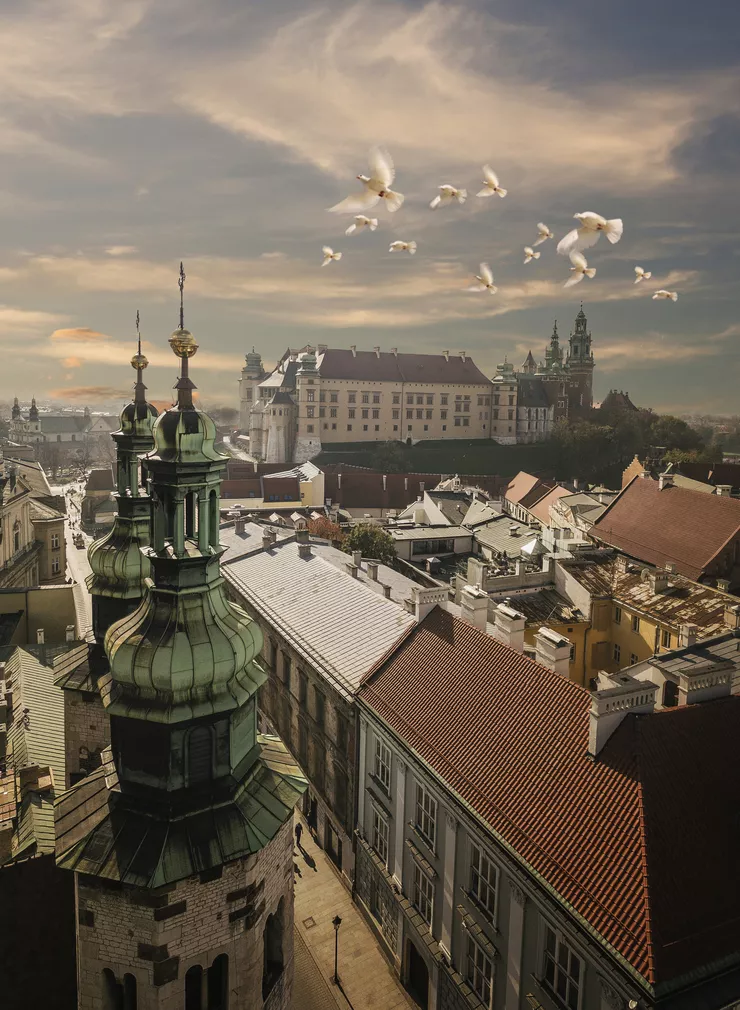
(181, 286)
(139, 362)
(184, 346)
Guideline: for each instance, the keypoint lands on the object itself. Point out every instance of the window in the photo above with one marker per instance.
(322, 411)
(285, 667)
(376, 415)
(194, 988)
(443, 414)
(395, 427)
(573, 653)
(332, 411)
(376, 397)
(351, 412)
(480, 401)
(495, 413)
(617, 654)
(351, 397)
(218, 983)
(497, 399)
(322, 396)
(55, 541)
(310, 411)
(430, 400)
(444, 427)
(302, 687)
(334, 427)
(426, 814)
(429, 415)
(320, 707)
(511, 401)
(617, 615)
(635, 623)
(426, 427)
(380, 836)
(302, 744)
(443, 399)
(409, 415)
(364, 427)
(562, 969)
(408, 427)
(409, 399)
(382, 767)
(396, 397)
(342, 733)
(333, 398)
(349, 427)
(366, 398)
(466, 422)
(666, 639)
(55, 566)
(309, 429)
(272, 960)
(479, 972)
(511, 415)
(200, 755)
(396, 415)
(365, 412)
(633, 658)
(310, 395)
(423, 894)
(419, 399)
(377, 427)
(483, 880)
(457, 422)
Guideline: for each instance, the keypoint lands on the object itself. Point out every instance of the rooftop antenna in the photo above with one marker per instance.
(181, 286)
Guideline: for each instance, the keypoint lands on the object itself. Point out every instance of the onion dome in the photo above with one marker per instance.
(137, 417)
(33, 414)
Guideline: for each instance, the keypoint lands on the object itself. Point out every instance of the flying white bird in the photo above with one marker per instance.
(447, 194)
(485, 280)
(377, 187)
(588, 233)
(580, 269)
(361, 222)
(666, 294)
(543, 233)
(530, 254)
(329, 255)
(399, 246)
(490, 183)
(642, 275)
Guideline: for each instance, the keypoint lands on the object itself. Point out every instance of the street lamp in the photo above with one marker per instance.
(336, 923)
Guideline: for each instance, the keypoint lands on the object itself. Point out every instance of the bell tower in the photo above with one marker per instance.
(580, 366)
(182, 841)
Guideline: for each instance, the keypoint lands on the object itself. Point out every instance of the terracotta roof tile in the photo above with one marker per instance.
(611, 835)
(520, 486)
(687, 528)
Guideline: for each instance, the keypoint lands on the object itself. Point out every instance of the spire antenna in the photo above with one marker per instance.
(181, 286)
(138, 332)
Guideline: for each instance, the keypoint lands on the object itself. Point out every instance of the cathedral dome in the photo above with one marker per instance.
(184, 435)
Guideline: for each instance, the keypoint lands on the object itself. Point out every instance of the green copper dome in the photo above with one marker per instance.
(185, 435)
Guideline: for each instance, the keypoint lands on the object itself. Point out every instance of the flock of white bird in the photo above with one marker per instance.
(377, 187)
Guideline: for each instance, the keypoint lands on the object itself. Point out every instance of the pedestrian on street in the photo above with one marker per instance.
(298, 833)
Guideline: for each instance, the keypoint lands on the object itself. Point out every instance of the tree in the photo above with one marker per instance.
(372, 542)
(673, 433)
(325, 528)
(389, 457)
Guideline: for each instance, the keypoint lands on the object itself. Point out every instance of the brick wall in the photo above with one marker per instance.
(158, 935)
(86, 724)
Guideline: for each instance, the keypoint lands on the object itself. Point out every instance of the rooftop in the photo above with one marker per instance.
(341, 625)
(505, 535)
(429, 532)
(520, 486)
(422, 369)
(100, 480)
(672, 525)
(603, 833)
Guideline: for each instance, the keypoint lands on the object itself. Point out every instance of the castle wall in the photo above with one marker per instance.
(86, 732)
(157, 936)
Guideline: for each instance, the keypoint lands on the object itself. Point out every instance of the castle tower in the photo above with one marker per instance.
(118, 565)
(182, 841)
(580, 366)
(530, 365)
(308, 411)
(251, 374)
(554, 352)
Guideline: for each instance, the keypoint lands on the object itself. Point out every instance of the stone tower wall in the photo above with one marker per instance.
(156, 936)
(86, 725)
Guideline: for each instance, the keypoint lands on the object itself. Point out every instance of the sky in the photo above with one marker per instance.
(135, 135)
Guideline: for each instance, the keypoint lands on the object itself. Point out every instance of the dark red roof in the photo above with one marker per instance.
(711, 473)
(640, 841)
(687, 528)
(367, 367)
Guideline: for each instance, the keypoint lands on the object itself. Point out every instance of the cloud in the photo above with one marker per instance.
(15, 322)
(78, 334)
(72, 362)
(121, 250)
(90, 394)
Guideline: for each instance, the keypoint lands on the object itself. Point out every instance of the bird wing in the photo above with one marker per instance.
(528, 250)
(352, 228)
(568, 242)
(579, 238)
(393, 200)
(614, 229)
(543, 230)
(485, 272)
(436, 201)
(640, 272)
(477, 287)
(411, 246)
(337, 256)
(486, 191)
(575, 279)
(490, 176)
(578, 260)
(590, 219)
(327, 250)
(396, 245)
(356, 202)
(381, 165)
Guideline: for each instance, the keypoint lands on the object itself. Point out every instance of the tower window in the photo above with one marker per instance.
(218, 983)
(272, 961)
(200, 755)
(194, 988)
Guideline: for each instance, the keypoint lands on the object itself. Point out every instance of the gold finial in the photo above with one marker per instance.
(182, 341)
(139, 361)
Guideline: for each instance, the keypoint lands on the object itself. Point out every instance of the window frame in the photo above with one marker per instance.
(380, 765)
(426, 893)
(422, 794)
(636, 623)
(380, 821)
(617, 615)
(488, 907)
(557, 967)
(479, 970)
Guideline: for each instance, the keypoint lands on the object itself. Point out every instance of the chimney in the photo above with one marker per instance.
(665, 480)
(387, 592)
(385, 482)
(69, 634)
(723, 585)
(463, 355)
(474, 607)
(553, 651)
(446, 355)
(377, 351)
(357, 558)
(670, 568)
(519, 567)
(646, 475)
(731, 616)
(353, 348)
(658, 580)
(301, 536)
(352, 569)
(419, 516)
(616, 696)
(339, 482)
(477, 572)
(405, 483)
(421, 486)
(39, 636)
(323, 348)
(687, 635)
(240, 526)
(394, 351)
(268, 539)
(372, 570)
(423, 601)
(724, 490)
(304, 550)
(622, 563)
(509, 626)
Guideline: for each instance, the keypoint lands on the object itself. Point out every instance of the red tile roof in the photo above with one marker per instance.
(520, 486)
(639, 841)
(367, 367)
(541, 510)
(687, 528)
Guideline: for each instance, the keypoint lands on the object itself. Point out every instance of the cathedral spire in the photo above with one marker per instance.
(184, 346)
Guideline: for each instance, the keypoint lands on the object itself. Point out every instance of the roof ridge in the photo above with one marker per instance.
(644, 857)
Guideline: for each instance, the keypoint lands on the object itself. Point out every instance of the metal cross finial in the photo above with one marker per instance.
(181, 286)
(138, 331)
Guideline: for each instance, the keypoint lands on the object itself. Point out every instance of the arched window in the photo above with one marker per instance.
(129, 991)
(218, 983)
(200, 755)
(272, 961)
(213, 518)
(194, 988)
(112, 991)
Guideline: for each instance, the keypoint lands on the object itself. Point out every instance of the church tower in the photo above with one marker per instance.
(182, 842)
(580, 366)
(248, 386)
(16, 411)
(554, 352)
